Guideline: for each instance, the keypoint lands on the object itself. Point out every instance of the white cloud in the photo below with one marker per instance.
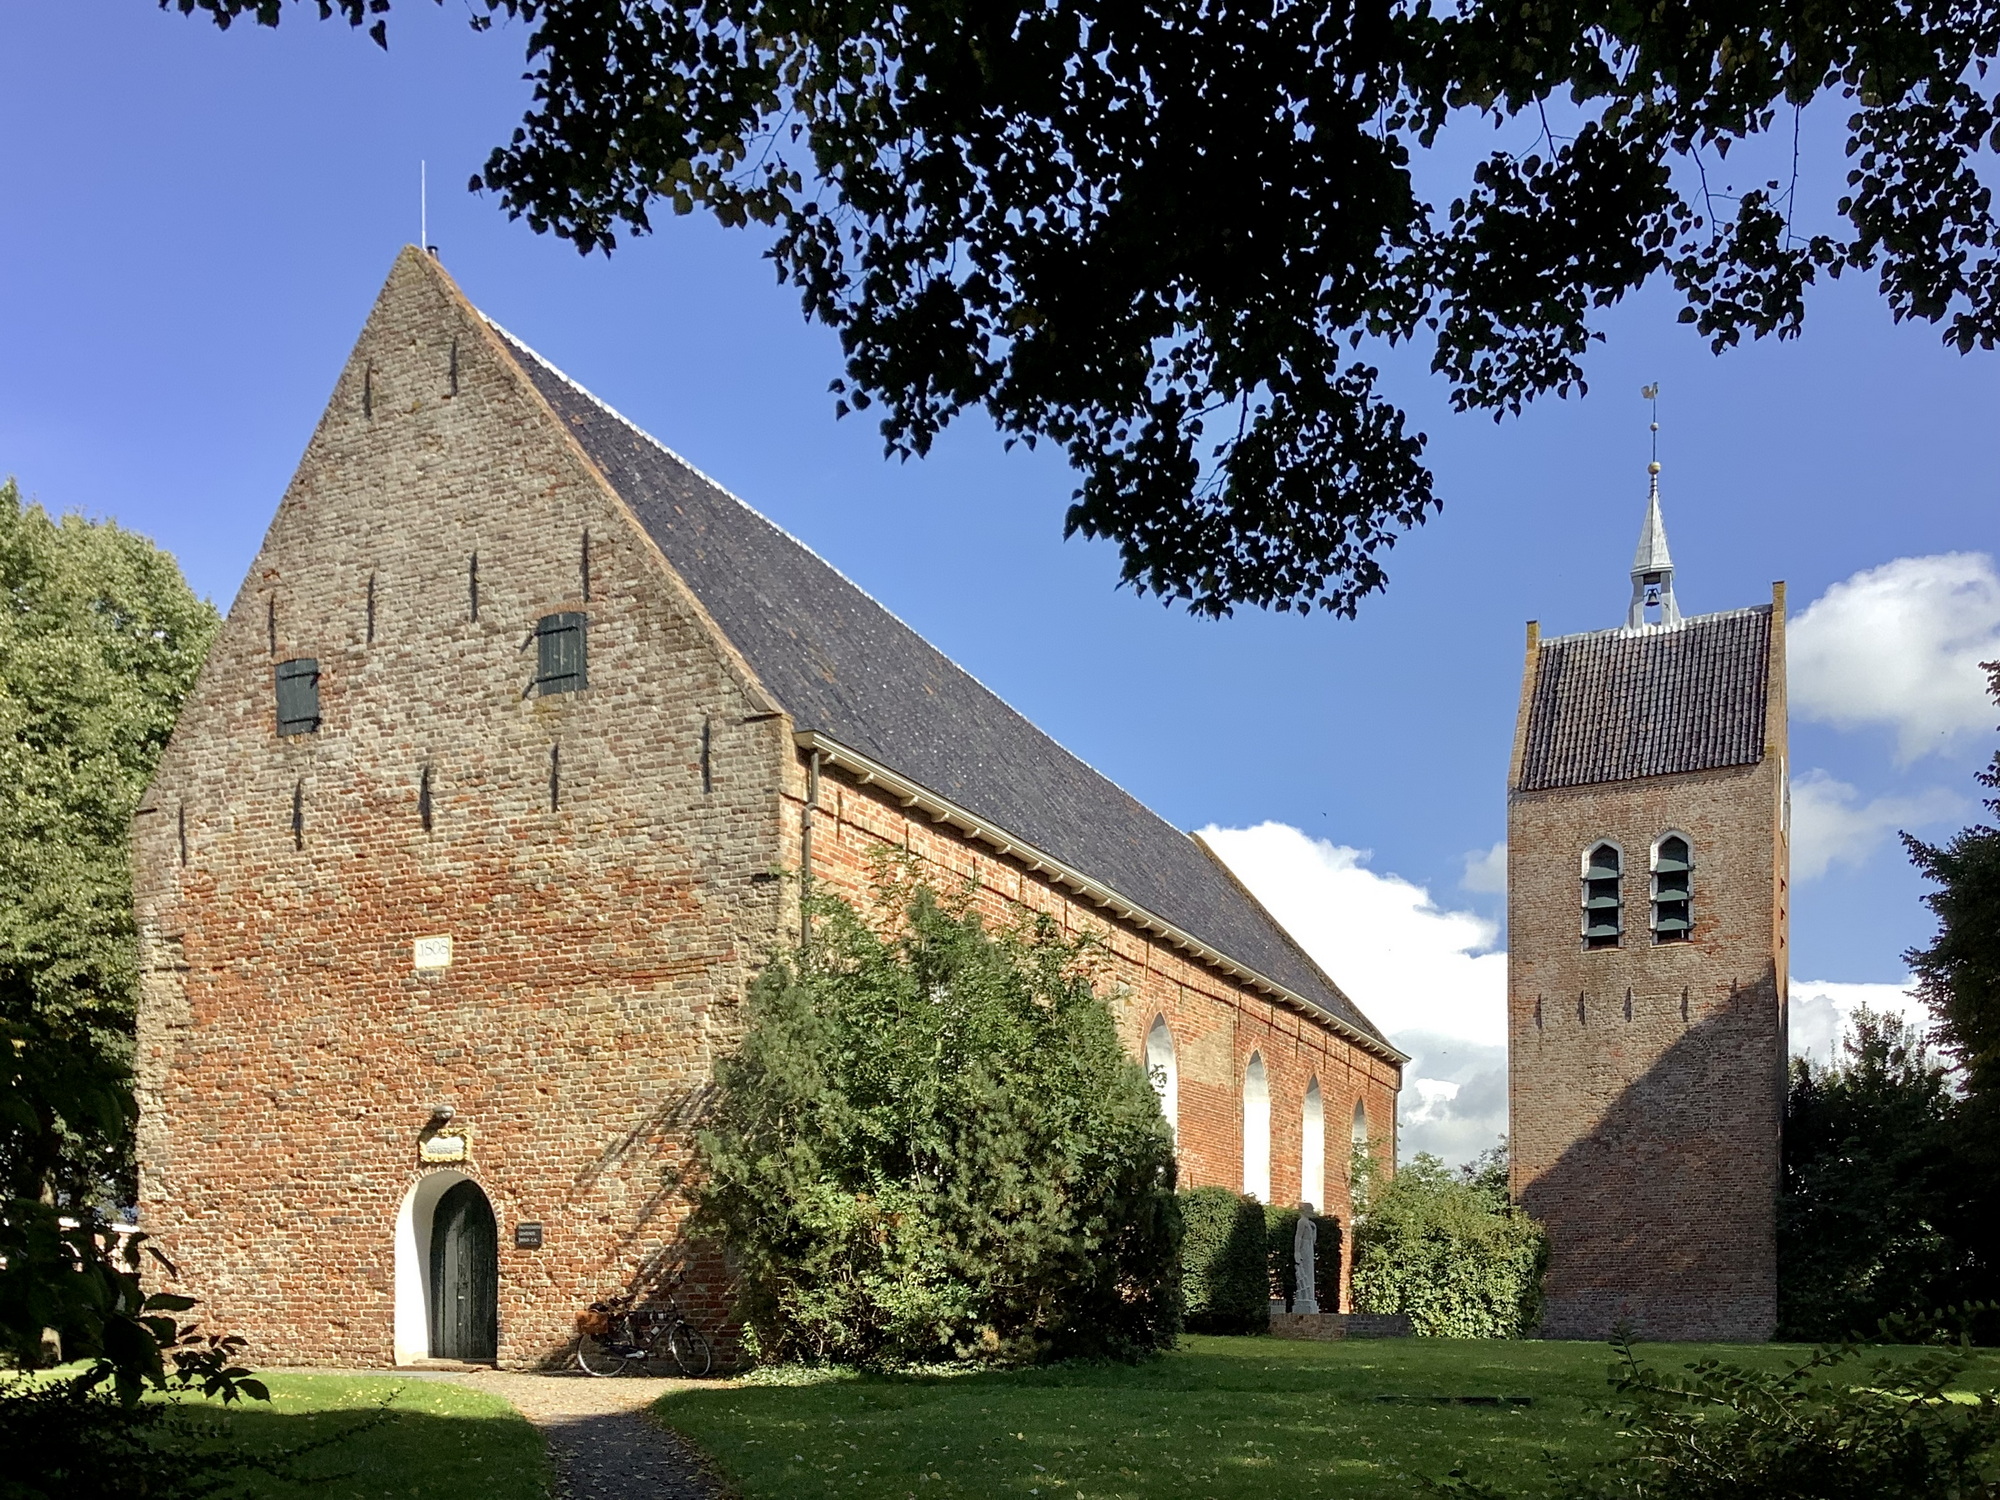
(1486, 871)
(1454, 1102)
(1821, 1010)
(1404, 961)
(1831, 825)
(1900, 645)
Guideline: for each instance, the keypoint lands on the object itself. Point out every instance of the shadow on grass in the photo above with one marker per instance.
(432, 1441)
(1221, 1417)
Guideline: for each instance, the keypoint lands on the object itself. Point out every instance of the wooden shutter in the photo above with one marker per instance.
(298, 696)
(560, 653)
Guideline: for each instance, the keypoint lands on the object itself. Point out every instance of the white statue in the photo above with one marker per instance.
(1304, 1238)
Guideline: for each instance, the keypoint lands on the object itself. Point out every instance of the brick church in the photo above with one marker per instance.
(502, 779)
(1647, 838)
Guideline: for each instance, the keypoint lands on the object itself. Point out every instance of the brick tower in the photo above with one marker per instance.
(1646, 900)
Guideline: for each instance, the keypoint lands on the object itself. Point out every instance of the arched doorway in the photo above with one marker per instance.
(465, 1275)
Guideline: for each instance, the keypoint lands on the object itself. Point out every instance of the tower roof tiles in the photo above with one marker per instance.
(1616, 704)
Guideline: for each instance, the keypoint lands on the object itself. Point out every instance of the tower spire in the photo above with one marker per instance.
(1652, 564)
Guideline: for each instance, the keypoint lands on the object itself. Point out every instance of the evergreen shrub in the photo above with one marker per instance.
(932, 1146)
(1280, 1225)
(1225, 1261)
(1451, 1252)
(1236, 1259)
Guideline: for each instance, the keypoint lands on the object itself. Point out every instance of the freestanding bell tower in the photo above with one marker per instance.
(1646, 900)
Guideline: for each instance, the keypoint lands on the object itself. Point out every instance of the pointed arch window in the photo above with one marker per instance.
(1312, 1148)
(1164, 1071)
(1257, 1130)
(1673, 889)
(1603, 896)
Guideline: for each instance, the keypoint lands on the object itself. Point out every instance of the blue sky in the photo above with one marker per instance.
(195, 223)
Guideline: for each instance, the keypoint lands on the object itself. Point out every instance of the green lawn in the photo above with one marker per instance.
(1221, 1417)
(441, 1442)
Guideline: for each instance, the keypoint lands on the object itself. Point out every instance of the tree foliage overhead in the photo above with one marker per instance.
(1162, 233)
(933, 1146)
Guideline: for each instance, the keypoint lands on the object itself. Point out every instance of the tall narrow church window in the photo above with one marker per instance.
(1673, 890)
(559, 654)
(1163, 1069)
(1257, 1130)
(298, 696)
(1312, 1147)
(1603, 899)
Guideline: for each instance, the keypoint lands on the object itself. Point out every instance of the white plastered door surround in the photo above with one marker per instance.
(413, 1261)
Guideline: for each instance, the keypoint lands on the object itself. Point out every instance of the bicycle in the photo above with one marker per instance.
(615, 1337)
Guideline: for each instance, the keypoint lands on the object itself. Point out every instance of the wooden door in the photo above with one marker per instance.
(465, 1276)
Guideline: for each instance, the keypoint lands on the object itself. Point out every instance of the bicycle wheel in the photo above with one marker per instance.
(595, 1357)
(689, 1349)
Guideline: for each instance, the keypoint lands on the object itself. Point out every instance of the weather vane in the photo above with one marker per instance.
(1652, 394)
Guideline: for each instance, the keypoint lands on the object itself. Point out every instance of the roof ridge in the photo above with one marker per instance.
(1626, 632)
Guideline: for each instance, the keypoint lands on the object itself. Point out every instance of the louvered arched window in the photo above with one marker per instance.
(1603, 896)
(1673, 889)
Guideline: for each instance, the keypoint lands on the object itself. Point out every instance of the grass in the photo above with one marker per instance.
(1221, 1417)
(440, 1442)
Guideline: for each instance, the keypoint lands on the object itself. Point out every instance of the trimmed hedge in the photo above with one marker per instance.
(1236, 1259)
(1279, 1226)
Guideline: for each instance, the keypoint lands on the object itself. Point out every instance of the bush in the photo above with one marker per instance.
(1820, 1429)
(932, 1146)
(1225, 1262)
(1450, 1252)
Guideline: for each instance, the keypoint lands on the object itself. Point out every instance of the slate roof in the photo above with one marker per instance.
(843, 666)
(1613, 704)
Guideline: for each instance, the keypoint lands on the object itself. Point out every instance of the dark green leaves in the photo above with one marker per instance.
(1153, 232)
(932, 1145)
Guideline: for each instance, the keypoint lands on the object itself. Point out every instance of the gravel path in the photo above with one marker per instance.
(603, 1442)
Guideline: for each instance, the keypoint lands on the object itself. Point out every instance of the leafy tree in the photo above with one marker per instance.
(1159, 233)
(1452, 1253)
(932, 1146)
(1872, 1187)
(1958, 976)
(100, 639)
(1828, 1426)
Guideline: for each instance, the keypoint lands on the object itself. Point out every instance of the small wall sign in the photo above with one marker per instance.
(442, 1148)
(527, 1236)
(433, 952)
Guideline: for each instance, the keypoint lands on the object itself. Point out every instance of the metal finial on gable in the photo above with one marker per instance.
(1653, 605)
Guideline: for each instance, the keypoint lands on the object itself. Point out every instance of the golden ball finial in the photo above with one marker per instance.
(1653, 467)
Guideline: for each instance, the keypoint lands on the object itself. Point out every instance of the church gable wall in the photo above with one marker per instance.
(605, 906)
(1217, 1023)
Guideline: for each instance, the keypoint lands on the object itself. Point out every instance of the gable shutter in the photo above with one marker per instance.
(298, 696)
(560, 653)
